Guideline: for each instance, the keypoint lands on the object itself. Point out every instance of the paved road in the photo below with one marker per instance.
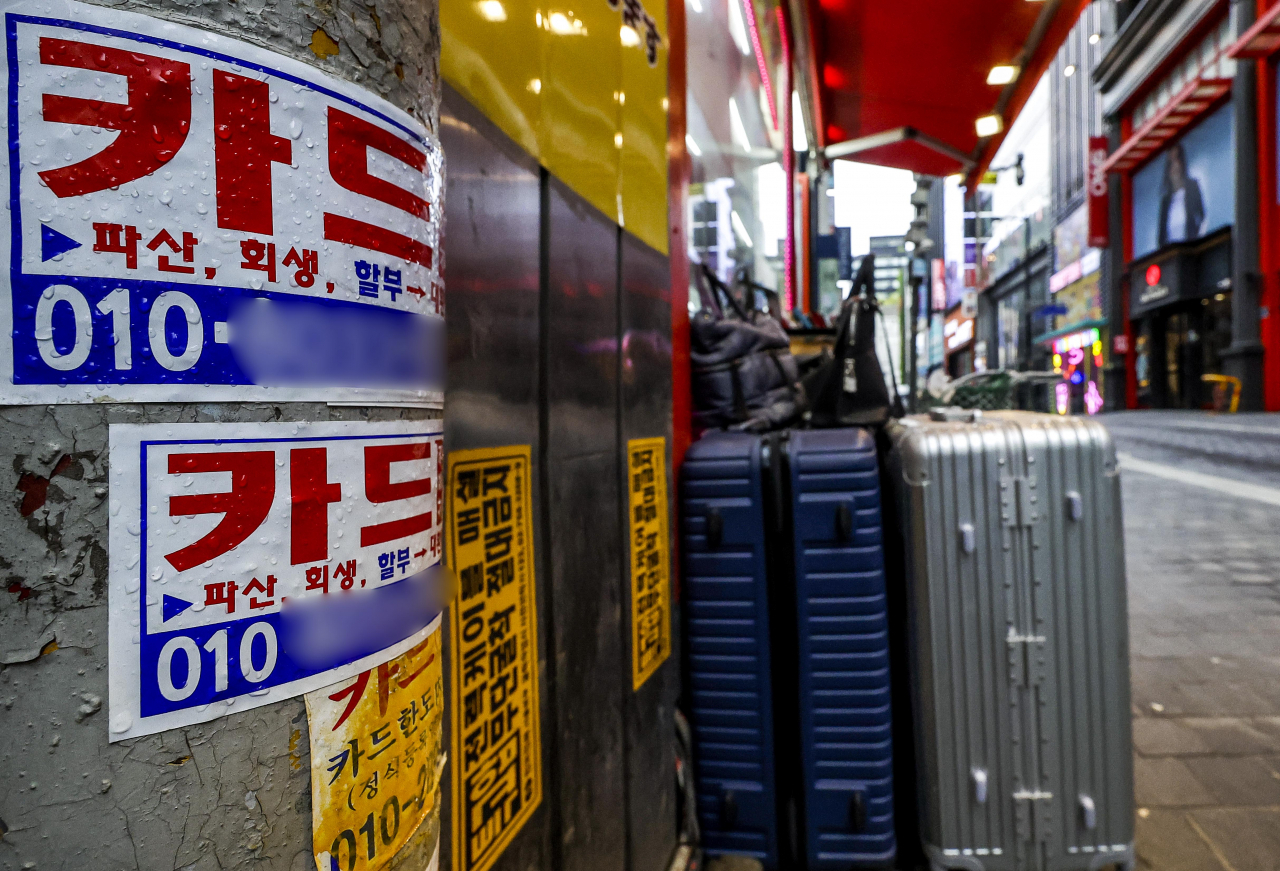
(1202, 526)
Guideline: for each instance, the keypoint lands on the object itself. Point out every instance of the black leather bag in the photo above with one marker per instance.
(848, 387)
(744, 376)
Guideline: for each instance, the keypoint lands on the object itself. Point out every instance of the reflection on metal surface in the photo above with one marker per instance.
(645, 399)
(492, 254)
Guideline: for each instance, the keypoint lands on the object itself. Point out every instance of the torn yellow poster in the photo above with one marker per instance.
(376, 759)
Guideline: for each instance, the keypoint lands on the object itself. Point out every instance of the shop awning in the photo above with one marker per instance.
(1196, 98)
(903, 83)
(1067, 331)
(1261, 40)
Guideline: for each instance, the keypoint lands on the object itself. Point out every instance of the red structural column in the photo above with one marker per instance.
(1268, 225)
(678, 173)
(804, 254)
(788, 162)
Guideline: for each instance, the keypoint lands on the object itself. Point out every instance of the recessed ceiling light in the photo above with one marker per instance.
(491, 10)
(1069, 70)
(989, 125)
(1095, 38)
(1002, 74)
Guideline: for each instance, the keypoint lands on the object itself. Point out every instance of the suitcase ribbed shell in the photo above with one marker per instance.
(845, 723)
(1019, 638)
(727, 645)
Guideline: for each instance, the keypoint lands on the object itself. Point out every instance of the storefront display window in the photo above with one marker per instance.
(737, 198)
(957, 337)
(1078, 357)
(1009, 330)
(1188, 190)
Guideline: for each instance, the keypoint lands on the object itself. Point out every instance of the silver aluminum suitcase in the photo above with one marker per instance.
(1019, 660)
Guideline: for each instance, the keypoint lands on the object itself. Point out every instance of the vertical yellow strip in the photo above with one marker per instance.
(650, 550)
(491, 52)
(497, 739)
(642, 183)
(581, 139)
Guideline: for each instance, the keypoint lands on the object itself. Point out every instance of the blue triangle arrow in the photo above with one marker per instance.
(53, 243)
(173, 606)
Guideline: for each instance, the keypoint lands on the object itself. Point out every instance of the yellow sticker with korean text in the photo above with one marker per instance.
(497, 740)
(376, 759)
(650, 549)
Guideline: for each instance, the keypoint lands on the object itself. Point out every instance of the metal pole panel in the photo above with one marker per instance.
(1114, 373)
(1244, 356)
(233, 792)
(914, 374)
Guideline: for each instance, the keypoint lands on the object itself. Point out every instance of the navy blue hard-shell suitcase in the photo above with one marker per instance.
(727, 645)
(843, 649)
(787, 652)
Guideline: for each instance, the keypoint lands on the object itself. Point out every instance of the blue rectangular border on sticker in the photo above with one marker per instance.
(314, 637)
(247, 337)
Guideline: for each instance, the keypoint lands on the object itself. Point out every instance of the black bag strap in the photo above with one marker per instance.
(714, 284)
(739, 398)
(771, 297)
(895, 401)
(844, 329)
(706, 291)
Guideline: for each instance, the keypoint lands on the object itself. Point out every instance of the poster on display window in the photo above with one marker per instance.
(254, 562)
(1187, 191)
(194, 218)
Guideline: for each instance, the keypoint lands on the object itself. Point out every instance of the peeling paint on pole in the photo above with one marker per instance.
(228, 794)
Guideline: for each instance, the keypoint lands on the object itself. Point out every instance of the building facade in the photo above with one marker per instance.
(1007, 227)
(1076, 338)
(1011, 311)
(1187, 94)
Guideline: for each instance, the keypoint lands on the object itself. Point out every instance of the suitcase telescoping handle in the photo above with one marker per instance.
(952, 414)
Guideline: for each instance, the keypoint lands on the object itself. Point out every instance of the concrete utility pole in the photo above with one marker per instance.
(234, 791)
(1244, 356)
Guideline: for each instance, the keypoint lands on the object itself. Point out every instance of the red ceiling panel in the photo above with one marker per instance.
(886, 64)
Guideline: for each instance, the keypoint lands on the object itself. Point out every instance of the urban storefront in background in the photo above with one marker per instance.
(1183, 205)
(1076, 334)
(1178, 86)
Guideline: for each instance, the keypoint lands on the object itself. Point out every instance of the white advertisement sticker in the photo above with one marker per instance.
(253, 562)
(194, 218)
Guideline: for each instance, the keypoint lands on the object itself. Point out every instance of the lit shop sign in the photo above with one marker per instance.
(1090, 263)
(1070, 353)
(1153, 285)
(957, 332)
(1155, 290)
